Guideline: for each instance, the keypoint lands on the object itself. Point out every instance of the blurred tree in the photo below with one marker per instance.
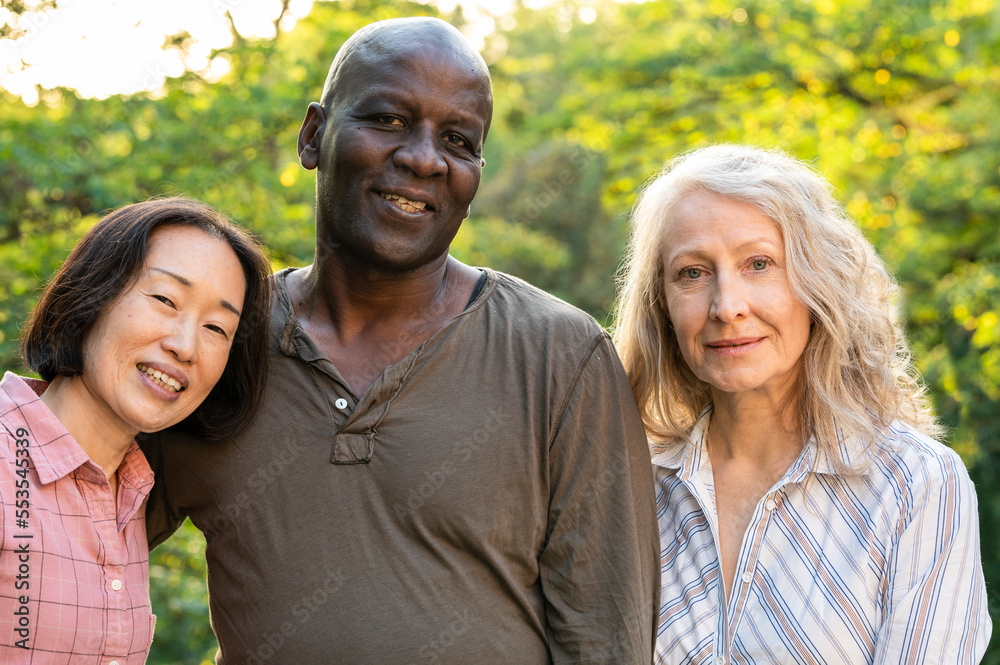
(177, 589)
(892, 100)
(10, 26)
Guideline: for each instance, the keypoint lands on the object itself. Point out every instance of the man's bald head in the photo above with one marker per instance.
(378, 44)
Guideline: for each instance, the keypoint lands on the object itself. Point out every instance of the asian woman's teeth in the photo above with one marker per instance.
(404, 203)
(160, 379)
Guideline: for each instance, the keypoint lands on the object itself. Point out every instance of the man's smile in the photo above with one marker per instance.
(404, 203)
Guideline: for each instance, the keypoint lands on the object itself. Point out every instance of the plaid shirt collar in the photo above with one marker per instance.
(55, 453)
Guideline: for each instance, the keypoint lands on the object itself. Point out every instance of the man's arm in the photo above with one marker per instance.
(600, 566)
(161, 520)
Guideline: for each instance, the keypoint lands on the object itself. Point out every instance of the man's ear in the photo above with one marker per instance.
(311, 136)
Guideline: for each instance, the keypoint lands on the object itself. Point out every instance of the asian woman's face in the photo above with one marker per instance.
(155, 354)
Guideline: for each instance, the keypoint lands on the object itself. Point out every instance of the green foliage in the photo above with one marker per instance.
(34, 255)
(893, 100)
(177, 589)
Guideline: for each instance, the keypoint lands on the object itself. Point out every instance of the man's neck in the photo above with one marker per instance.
(354, 296)
(366, 319)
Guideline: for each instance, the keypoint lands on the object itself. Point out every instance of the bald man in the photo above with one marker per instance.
(449, 467)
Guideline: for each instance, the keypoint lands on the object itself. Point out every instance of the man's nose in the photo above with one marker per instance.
(421, 153)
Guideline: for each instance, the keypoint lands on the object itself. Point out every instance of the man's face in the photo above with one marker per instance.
(400, 156)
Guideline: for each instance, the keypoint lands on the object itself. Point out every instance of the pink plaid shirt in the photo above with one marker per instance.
(74, 579)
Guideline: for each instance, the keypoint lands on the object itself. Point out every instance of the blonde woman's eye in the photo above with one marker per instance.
(759, 264)
(691, 273)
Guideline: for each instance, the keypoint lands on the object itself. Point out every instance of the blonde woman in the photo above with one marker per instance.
(807, 514)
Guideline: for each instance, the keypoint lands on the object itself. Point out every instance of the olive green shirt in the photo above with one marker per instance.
(489, 499)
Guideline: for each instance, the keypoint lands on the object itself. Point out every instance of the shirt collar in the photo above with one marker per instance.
(293, 340)
(686, 456)
(135, 478)
(689, 456)
(850, 455)
(53, 451)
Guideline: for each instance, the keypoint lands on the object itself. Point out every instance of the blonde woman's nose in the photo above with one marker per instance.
(729, 300)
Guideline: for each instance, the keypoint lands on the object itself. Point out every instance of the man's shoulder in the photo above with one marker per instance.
(535, 309)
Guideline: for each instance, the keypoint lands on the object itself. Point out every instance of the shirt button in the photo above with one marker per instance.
(341, 403)
(720, 660)
(770, 504)
(116, 585)
(747, 577)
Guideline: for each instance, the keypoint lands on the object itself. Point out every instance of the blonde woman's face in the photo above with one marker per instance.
(739, 326)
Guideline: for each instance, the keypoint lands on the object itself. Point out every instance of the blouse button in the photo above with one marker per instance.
(116, 585)
(770, 504)
(341, 403)
(114, 662)
(747, 577)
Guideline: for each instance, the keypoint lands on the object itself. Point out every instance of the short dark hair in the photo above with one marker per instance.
(107, 262)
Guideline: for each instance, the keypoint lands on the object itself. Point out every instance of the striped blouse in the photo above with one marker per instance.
(880, 567)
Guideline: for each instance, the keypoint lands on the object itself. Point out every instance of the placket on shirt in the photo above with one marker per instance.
(354, 421)
(112, 557)
(696, 473)
(748, 575)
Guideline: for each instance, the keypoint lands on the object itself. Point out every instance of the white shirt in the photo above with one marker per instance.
(881, 567)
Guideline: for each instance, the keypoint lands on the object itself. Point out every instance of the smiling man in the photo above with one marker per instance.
(449, 467)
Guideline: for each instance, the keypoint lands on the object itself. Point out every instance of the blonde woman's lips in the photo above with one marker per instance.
(736, 346)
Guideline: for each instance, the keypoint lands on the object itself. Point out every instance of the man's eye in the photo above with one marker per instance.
(455, 139)
(389, 120)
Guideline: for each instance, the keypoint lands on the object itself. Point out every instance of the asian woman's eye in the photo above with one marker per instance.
(217, 329)
(165, 300)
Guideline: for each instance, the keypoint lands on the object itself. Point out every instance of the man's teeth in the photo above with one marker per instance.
(404, 203)
(159, 378)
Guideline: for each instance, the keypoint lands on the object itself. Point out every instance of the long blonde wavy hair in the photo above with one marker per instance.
(857, 374)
